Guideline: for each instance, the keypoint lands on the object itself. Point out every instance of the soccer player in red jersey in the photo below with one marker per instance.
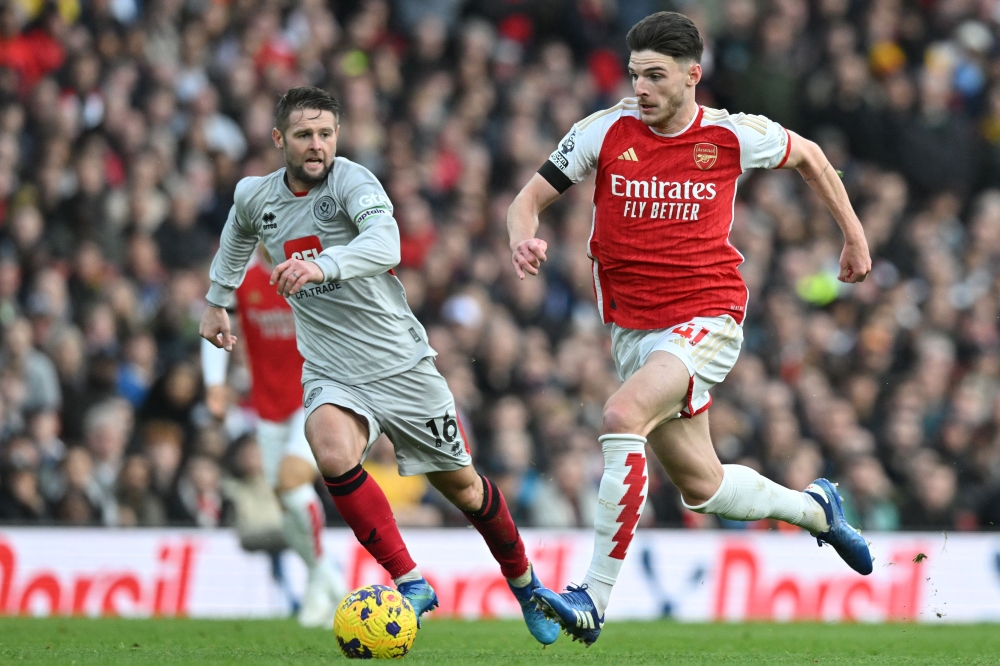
(268, 330)
(666, 278)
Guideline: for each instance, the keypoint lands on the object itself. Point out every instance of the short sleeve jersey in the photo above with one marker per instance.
(267, 328)
(663, 209)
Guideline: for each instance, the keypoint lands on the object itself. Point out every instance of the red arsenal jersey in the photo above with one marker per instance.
(268, 329)
(663, 209)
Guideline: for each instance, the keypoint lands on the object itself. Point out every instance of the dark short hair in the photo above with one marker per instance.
(305, 97)
(669, 33)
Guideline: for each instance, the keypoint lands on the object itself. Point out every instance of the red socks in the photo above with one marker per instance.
(364, 507)
(494, 522)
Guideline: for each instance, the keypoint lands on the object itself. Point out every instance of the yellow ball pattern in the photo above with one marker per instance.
(375, 622)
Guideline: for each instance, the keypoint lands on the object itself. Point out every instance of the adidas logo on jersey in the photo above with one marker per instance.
(269, 221)
(629, 156)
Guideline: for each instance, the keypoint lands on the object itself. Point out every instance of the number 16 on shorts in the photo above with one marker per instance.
(448, 431)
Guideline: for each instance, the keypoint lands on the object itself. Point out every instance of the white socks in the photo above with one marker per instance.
(621, 498)
(523, 579)
(410, 576)
(746, 495)
(303, 523)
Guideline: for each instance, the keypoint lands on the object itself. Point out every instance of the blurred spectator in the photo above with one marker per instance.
(43, 428)
(32, 367)
(257, 514)
(868, 496)
(20, 498)
(107, 428)
(162, 442)
(568, 498)
(138, 505)
(137, 372)
(198, 500)
(933, 504)
(82, 500)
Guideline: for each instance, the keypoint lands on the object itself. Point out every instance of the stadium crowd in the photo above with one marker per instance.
(125, 125)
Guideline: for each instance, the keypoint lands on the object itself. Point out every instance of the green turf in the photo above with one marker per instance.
(246, 643)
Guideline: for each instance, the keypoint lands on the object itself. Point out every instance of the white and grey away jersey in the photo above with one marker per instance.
(355, 327)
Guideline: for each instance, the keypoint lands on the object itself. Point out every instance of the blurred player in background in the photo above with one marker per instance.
(368, 366)
(267, 327)
(667, 280)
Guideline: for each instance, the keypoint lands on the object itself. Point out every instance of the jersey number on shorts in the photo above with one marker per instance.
(688, 332)
(449, 430)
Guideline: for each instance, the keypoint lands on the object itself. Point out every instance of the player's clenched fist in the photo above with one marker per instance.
(215, 328)
(528, 256)
(855, 262)
(292, 275)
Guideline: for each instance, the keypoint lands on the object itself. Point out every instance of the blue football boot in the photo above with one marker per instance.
(543, 629)
(846, 540)
(421, 596)
(574, 610)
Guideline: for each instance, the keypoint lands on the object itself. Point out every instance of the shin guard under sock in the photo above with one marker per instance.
(494, 522)
(621, 498)
(364, 507)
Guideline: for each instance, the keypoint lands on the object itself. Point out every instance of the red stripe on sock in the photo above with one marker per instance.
(631, 502)
(337, 484)
(315, 517)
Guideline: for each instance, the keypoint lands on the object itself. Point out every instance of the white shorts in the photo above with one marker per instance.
(708, 347)
(277, 440)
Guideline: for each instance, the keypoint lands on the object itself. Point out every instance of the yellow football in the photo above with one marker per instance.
(375, 622)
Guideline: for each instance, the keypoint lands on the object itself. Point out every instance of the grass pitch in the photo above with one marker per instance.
(76, 642)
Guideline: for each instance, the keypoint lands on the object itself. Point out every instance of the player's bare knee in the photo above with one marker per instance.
(337, 438)
(335, 452)
(620, 418)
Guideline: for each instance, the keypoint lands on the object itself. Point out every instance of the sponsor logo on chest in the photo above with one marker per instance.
(679, 192)
(661, 199)
(307, 247)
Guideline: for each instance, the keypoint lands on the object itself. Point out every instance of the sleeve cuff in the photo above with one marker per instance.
(331, 271)
(788, 149)
(556, 178)
(220, 296)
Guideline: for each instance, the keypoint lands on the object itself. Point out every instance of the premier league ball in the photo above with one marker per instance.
(375, 622)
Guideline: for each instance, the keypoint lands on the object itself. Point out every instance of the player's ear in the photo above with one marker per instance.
(694, 74)
(278, 138)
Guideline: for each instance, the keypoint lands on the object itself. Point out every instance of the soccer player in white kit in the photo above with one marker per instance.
(666, 278)
(267, 328)
(368, 366)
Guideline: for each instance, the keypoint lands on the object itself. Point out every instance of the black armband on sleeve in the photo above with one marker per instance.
(556, 178)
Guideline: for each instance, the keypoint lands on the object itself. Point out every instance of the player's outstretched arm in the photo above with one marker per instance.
(814, 167)
(528, 252)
